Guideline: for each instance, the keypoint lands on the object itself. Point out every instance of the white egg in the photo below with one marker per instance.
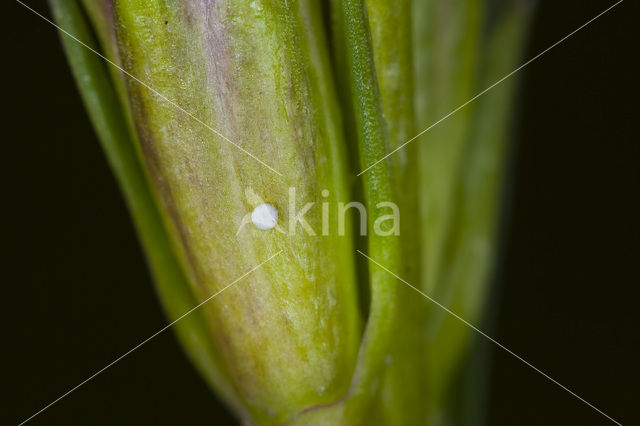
(264, 216)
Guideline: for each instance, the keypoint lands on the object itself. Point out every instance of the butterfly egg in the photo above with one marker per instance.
(264, 216)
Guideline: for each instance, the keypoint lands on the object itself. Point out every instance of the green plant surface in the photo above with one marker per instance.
(210, 108)
(468, 258)
(305, 351)
(403, 387)
(103, 107)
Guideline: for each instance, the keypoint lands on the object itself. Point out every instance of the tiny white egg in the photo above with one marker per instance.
(264, 216)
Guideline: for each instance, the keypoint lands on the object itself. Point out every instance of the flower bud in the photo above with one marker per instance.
(228, 98)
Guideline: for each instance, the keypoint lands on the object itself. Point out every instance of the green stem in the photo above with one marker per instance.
(354, 53)
(403, 390)
(373, 145)
(468, 259)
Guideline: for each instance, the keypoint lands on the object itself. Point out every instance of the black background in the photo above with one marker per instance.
(569, 299)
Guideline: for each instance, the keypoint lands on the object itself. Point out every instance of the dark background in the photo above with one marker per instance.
(569, 299)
